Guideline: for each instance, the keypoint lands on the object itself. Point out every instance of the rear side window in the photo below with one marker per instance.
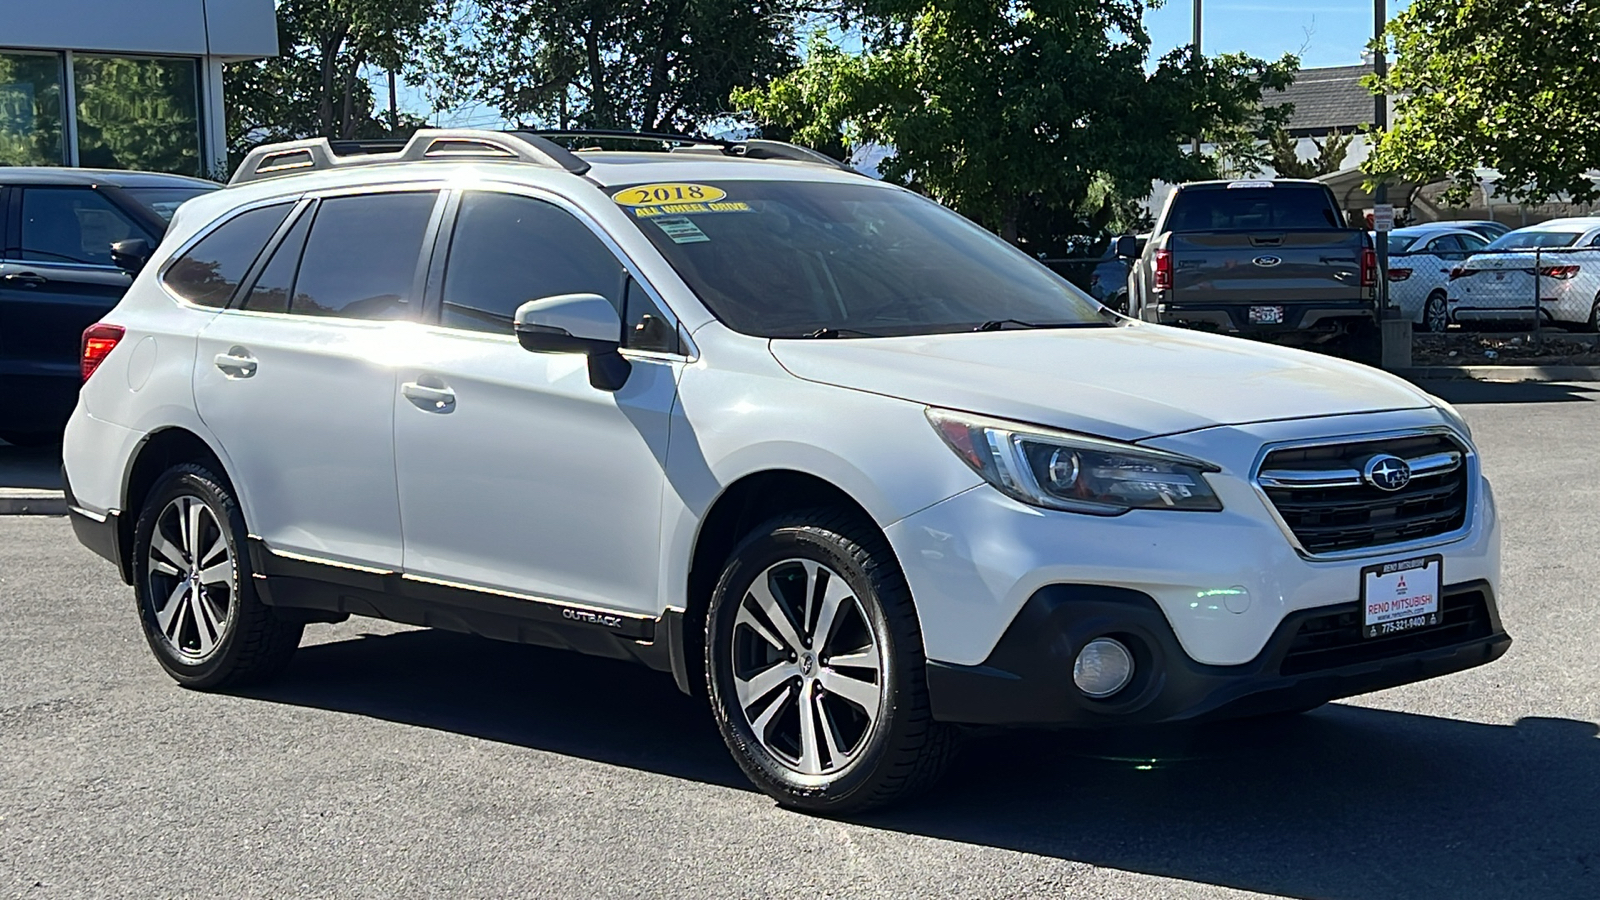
(1253, 209)
(271, 290)
(360, 260)
(211, 270)
(507, 250)
(73, 225)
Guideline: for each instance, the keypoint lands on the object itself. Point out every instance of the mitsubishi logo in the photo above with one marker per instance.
(1387, 473)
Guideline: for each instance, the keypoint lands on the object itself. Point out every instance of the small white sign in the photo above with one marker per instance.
(1383, 217)
(1401, 596)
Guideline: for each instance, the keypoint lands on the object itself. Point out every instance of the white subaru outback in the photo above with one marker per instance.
(842, 462)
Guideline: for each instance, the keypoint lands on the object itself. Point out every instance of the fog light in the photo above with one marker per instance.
(1103, 667)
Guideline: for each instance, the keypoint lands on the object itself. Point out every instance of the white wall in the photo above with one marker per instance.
(225, 28)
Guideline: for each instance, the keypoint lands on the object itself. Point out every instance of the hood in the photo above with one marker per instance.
(1127, 382)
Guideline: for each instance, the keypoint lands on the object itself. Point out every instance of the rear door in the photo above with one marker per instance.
(297, 380)
(56, 279)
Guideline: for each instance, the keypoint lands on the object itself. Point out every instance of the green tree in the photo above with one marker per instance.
(1511, 85)
(1286, 161)
(646, 64)
(1001, 109)
(316, 86)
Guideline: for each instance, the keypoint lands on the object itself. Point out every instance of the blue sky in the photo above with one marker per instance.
(1333, 32)
(1323, 32)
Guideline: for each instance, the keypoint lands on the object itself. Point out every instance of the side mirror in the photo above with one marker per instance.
(577, 323)
(131, 255)
(1128, 247)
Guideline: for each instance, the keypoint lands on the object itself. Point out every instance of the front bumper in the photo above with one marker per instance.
(1314, 656)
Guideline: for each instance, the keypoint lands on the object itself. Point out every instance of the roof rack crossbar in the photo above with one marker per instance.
(316, 154)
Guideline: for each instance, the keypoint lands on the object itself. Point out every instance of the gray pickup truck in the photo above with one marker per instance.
(1271, 260)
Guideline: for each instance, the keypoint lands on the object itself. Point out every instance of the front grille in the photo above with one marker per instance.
(1333, 639)
(1330, 519)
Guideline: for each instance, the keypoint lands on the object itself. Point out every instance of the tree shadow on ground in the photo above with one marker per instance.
(1345, 802)
(1465, 391)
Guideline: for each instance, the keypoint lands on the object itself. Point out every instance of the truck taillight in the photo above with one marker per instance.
(1561, 272)
(98, 342)
(1369, 267)
(1399, 274)
(1163, 270)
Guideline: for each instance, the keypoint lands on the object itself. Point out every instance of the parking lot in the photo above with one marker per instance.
(393, 761)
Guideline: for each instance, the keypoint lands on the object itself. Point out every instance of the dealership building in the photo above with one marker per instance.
(125, 85)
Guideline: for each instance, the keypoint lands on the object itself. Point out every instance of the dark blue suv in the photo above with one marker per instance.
(57, 277)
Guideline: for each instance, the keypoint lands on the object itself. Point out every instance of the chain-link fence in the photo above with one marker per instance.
(1527, 287)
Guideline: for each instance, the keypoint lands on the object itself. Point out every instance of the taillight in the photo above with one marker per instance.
(1458, 272)
(1399, 274)
(1562, 272)
(98, 342)
(1163, 270)
(1369, 267)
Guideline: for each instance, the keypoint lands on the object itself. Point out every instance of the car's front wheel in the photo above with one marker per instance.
(815, 669)
(193, 583)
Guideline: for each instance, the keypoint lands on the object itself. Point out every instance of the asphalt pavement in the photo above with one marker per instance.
(396, 762)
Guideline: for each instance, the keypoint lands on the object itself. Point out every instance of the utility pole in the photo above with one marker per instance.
(1196, 61)
(1380, 120)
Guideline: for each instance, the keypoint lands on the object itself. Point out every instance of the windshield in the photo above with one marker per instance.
(808, 259)
(164, 201)
(1524, 240)
(1399, 243)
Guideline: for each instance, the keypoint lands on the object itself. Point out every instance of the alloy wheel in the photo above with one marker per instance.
(1437, 315)
(809, 667)
(191, 576)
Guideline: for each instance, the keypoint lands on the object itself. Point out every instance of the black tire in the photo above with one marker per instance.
(1436, 313)
(1593, 325)
(902, 750)
(251, 643)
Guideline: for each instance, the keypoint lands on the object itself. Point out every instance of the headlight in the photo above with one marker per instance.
(1059, 470)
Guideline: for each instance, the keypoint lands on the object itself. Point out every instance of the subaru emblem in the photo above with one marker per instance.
(1267, 262)
(1387, 473)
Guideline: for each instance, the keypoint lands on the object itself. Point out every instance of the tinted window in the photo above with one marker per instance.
(1446, 244)
(271, 290)
(1527, 240)
(1399, 243)
(644, 327)
(847, 259)
(360, 261)
(1472, 241)
(1253, 208)
(211, 270)
(73, 225)
(508, 250)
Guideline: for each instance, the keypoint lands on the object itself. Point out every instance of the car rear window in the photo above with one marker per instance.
(1525, 240)
(1252, 209)
(164, 201)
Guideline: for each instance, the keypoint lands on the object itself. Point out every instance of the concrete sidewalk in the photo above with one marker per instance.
(30, 481)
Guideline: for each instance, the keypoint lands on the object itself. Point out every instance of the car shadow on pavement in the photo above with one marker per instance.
(1344, 802)
(1465, 391)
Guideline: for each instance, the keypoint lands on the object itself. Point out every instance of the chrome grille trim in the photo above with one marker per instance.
(1314, 479)
(1436, 464)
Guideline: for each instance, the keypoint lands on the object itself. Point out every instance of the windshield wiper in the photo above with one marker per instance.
(1000, 324)
(838, 333)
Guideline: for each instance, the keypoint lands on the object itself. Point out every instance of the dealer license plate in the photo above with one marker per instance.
(1266, 315)
(1401, 596)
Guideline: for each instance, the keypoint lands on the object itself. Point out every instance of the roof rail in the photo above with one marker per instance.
(704, 146)
(664, 137)
(319, 154)
(759, 149)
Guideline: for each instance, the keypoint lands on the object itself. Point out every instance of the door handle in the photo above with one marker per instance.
(428, 397)
(236, 363)
(25, 279)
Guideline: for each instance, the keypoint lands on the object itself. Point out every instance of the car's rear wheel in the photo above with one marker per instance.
(1593, 324)
(196, 596)
(1436, 313)
(815, 669)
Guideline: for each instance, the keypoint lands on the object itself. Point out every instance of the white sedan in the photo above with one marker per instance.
(1420, 260)
(1499, 284)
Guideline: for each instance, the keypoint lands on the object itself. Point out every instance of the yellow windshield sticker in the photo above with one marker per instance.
(670, 193)
(675, 209)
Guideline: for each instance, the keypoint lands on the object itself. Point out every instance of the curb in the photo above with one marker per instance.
(1500, 373)
(17, 502)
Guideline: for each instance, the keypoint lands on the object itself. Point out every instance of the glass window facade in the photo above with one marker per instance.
(128, 112)
(32, 102)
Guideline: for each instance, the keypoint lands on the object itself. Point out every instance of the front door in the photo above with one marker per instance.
(56, 280)
(515, 474)
(297, 381)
